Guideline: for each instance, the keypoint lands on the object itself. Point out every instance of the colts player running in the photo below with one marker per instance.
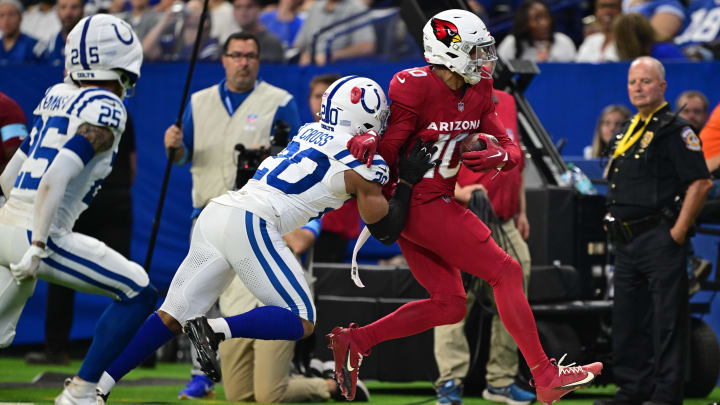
(53, 177)
(445, 103)
(241, 232)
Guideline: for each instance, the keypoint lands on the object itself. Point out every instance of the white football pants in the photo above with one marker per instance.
(227, 241)
(75, 260)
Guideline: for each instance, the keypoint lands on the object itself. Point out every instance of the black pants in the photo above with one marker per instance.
(650, 318)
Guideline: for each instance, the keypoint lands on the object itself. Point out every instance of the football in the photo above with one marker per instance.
(474, 142)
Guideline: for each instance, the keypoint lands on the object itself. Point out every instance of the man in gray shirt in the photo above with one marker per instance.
(247, 15)
(141, 17)
(324, 13)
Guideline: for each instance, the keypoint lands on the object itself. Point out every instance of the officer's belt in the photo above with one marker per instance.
(642, 225)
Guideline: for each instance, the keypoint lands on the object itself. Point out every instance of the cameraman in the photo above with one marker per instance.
(241, 109)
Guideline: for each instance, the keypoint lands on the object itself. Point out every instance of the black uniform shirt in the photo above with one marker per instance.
(659, 166)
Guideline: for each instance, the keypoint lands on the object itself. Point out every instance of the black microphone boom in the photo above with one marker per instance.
(171, 154)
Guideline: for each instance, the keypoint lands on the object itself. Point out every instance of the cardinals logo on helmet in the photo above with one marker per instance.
(445, 31)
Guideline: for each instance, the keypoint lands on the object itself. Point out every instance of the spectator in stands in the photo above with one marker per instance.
(534, 37)
(247, 15)
(222, 19)
(665, 16)
(40, 21)
(16, 46)
(701, 38)
(359, 41)
(174, 35)
(694, 106)
(318, 85)
(69, 12)
(285, 21)
(635, 37)
(600, 46)
(141, 17)
(608, 125)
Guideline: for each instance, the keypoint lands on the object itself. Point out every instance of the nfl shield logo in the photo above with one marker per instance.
(461, 106)
(251, 118)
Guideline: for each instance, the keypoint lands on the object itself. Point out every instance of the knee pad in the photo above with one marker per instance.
(452, 308)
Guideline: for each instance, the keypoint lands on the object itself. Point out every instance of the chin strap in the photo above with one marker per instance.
(354, 275)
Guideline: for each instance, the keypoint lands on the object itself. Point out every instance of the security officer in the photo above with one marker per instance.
(658, 181)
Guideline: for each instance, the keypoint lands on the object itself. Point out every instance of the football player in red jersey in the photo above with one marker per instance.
(446, 102)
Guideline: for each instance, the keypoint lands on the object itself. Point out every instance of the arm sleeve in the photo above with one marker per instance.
(314, 226)
(64, 167)
(491, 124)
(387, 230)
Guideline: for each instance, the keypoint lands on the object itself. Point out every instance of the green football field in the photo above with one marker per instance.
(161, 385)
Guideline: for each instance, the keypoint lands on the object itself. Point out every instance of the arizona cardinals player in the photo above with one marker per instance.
(445, 102)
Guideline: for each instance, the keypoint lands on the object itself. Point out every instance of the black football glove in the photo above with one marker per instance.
(413, 167)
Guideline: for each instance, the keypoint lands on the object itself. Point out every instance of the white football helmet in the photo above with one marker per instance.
(459, 40)
(354, 104)
(103, 47)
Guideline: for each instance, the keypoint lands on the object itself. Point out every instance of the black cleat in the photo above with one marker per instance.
(206, 342)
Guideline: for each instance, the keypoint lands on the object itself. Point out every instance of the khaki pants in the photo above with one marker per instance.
(452, 352)
(259, 370)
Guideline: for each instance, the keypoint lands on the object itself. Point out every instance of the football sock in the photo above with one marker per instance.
(151, 335)
(518, 319)
(113, 331)
(268, 322)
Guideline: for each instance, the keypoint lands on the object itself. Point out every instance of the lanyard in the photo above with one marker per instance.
(628, 140)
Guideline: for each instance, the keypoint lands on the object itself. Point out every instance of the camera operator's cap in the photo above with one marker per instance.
(15, 3)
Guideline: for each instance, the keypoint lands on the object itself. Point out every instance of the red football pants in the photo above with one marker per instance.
(440, 237)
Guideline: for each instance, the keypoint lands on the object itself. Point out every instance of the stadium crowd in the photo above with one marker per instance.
(324, 31)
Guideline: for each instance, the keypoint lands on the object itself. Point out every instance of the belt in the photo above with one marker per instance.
(642, 225)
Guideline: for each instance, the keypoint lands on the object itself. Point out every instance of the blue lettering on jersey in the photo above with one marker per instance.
(315, 136)
(54, 102)
(42, 154)
(292, 155)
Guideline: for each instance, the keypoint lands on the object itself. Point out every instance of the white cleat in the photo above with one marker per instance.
(77, 392)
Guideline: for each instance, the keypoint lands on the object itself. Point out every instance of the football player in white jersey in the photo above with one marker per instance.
(241, 232)
(53, 177)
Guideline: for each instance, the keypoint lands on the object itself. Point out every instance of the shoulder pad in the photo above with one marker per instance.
(408, 87)
(99, 107)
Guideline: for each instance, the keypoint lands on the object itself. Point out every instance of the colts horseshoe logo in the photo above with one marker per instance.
(124, 41)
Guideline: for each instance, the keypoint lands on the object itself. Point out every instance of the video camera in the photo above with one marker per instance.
(248, 160)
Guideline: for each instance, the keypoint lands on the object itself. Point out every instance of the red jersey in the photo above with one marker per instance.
(12, 126)
(423, 106)
(504, 189)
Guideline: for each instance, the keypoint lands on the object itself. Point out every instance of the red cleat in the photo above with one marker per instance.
(568, 379)
(347, 358)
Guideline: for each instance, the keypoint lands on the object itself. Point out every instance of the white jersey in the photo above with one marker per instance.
(305, 180)
(58, 115)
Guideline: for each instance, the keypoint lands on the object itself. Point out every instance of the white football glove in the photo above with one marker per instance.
(28, 265)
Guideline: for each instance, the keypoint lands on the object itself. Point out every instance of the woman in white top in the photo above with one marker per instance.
(534, 38)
